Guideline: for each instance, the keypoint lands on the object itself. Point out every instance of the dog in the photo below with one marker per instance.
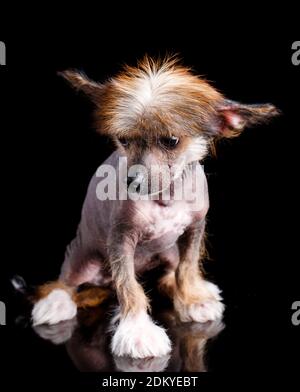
(160, 115)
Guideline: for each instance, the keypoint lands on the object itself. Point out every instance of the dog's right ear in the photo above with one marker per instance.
(81, 82)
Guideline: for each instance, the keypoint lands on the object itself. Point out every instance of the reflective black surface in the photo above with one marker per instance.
(88, 347)
(248, 337)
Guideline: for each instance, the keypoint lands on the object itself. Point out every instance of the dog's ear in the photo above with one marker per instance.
(81, 82)
(234, 117)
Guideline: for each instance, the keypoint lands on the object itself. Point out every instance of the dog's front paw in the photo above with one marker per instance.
(209, 307)
(138, 337)
(57, 306)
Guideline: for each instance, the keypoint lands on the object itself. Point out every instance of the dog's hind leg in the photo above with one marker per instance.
(58, 301)
(53, 302)
(166, 284)
(170, 259)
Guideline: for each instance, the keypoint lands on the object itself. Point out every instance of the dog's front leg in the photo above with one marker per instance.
(195, 299)
(136, 335)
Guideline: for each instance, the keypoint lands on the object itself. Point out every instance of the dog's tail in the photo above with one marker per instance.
(91, 296)
(19, 284)
(85, 297)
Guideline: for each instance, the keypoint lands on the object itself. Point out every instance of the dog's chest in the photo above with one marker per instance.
(165, 221)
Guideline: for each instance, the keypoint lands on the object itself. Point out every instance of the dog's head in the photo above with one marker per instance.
(163, 117)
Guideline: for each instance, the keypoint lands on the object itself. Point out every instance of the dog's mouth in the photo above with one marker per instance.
(156, 190)
(154, 181)
(143, 189)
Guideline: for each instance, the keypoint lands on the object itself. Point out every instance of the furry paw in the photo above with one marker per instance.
(57, 306)
(138, 337)
(209, 308)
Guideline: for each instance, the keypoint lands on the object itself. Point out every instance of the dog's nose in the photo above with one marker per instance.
(135, 183)
(129, 181)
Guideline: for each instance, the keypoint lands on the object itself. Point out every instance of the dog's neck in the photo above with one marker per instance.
(166, 196)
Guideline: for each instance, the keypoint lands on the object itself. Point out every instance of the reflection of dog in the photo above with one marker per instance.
(159, 114)
(88, 348)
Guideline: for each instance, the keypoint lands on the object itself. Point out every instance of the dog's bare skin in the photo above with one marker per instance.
(156, 115)
(133, 240)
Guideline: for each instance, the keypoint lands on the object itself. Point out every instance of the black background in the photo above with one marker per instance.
(49, 151)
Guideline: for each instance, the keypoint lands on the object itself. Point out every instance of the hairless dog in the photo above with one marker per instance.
(163, 119)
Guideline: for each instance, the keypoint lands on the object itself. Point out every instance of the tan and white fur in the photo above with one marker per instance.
(159, 113)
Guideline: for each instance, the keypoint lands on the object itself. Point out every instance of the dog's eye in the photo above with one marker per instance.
(123, 141)
(169, 142)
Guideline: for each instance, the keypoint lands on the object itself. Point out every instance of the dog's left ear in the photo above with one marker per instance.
(81, 82)
(234, 117)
